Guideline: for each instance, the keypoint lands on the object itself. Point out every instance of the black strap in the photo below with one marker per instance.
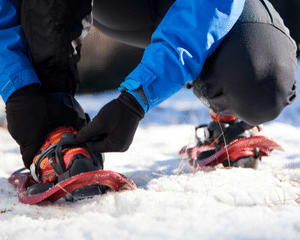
(55, 150)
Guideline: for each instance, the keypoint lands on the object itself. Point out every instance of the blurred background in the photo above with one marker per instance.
(105, 62)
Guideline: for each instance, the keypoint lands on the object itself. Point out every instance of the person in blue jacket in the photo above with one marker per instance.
(236, 54)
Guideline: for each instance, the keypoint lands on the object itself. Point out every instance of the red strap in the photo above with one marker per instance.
(221, 118)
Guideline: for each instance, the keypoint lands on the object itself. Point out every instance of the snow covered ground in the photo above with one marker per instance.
(219, 203)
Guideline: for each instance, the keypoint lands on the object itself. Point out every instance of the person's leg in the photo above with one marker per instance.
(253, 72)
(53, 30)
(251, 76)
(130, 21)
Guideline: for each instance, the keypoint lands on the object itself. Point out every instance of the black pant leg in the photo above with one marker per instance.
(252, 74)
(53, 30)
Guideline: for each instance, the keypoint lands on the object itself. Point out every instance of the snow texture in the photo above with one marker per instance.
(218, 203)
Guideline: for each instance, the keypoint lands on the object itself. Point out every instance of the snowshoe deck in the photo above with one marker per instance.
(113, 180)
(255, 146)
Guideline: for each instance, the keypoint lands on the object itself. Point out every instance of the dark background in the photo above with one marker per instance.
(105, 62)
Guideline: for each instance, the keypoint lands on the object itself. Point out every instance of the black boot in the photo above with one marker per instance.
(61, 158)
(229, 141)
(222, 131)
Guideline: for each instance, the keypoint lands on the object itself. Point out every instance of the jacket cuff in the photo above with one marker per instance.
(139, 84)
(16, 81)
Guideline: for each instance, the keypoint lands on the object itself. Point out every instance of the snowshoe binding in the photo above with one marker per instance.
(63, 168)
(229, 141)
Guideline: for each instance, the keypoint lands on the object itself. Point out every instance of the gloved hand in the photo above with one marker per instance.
(27, 120)
(113, 128)
(31, 115)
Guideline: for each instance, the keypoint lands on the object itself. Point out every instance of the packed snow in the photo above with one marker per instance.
(215, 203)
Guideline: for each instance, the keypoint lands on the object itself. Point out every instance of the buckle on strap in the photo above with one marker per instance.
(67, 141)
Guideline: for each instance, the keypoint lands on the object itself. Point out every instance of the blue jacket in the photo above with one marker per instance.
(15, 67)
(189, 33)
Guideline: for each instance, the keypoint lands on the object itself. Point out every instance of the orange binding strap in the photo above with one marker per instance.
(221, 118)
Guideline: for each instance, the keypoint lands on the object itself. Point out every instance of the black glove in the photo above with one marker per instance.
(31, 115)
(27, 120)
(113, 129)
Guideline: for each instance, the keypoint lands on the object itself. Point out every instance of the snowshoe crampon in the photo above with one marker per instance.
(63, 168)
(114, 181)
(228, 141)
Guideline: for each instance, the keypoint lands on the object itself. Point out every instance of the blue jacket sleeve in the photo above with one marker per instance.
(15, 67)
(188, 34)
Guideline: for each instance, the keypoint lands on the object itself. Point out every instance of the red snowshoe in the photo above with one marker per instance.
(228, 141)
(66, 169)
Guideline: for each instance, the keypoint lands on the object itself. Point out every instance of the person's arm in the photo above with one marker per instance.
(188, 34)
(16, 70)
(19, 85)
